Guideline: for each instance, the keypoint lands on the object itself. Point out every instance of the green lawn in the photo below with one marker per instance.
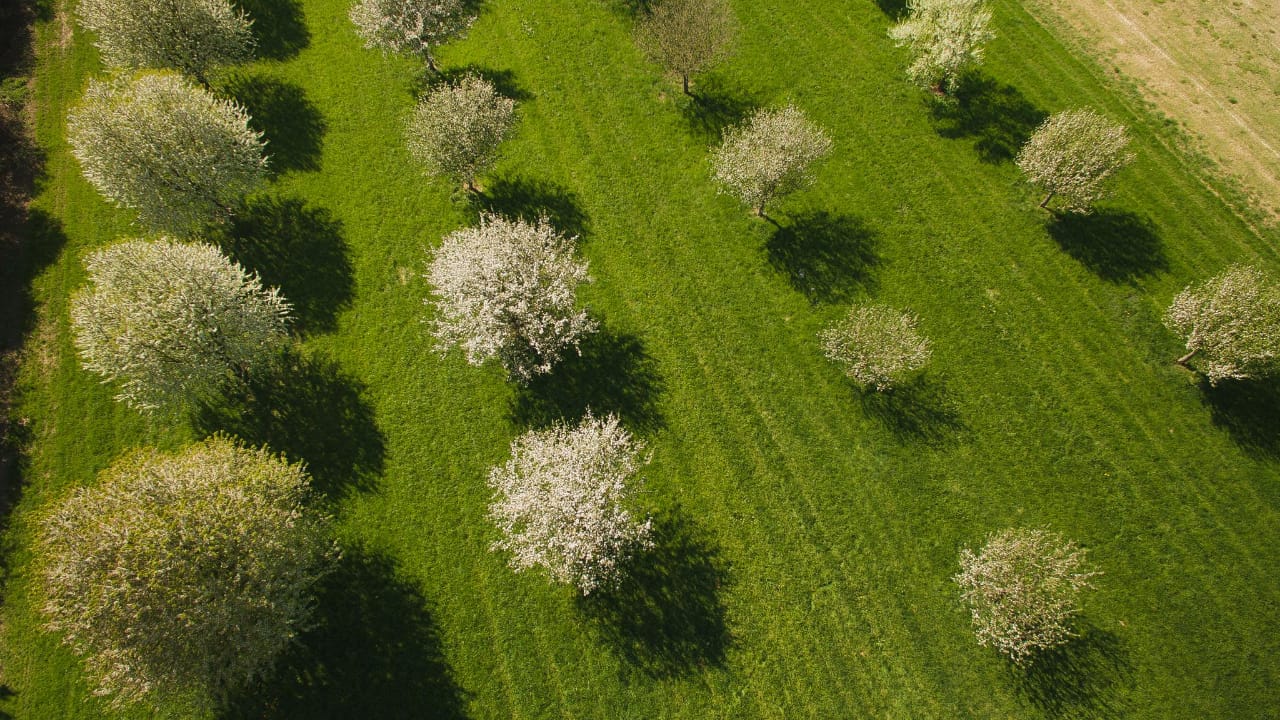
(807, 533)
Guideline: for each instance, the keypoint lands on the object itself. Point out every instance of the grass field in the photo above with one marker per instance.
(807, 533)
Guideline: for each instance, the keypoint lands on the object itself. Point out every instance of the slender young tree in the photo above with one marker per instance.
(877, 346)
(1232, 321)
(1022, 590)
(173, 322)
(1073, 155)
(413, 26)
(456, 129)
(173, 152)
(183, 575)
(769, 155)
(687, 36)
(560, 502)
(945, 37)
(191, 36)
(507, 290)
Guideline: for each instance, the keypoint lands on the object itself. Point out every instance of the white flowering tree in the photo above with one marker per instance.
(191, 36)
(1022, 590)
(456, 129)
(507, 290)
(769, 155)
(173, 152)
(1072, 155)
(173, 322)
(945, 37)
(185, 574)
(560, 502)
(1232, 322)
(414, 26)
(877, 346)
(687, 36)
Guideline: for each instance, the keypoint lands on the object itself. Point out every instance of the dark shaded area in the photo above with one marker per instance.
(918, 411)
(894, 9)
(614, 374)
(531, 199)
(292, 126)
(666, 619)
(827, 257)
(310, 410)
(374, 653)
(1116, 245)
(1076, 680)
(298, 249)
(634, 8)
(278, 26)
(1249, 410)
(715, 106)
(998, 117)
(503, 81)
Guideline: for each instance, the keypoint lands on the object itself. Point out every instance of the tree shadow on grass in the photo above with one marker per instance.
(292, 125)
(1249, 410)
(310, 410)
(1116, 245)
(374, 653)
(278, 26)
(895, 9)
(715, 106)
(533, 199)
(503, 81)
(666, 619)
(1077, 680)
(918, 411)
(827, 257)
(298, 249)
(998, 117)
(613, 374)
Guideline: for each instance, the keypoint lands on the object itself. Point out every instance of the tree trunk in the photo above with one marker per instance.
(471, 187)
(685, 78)
(1045, 203)
(431, 65)
(1186, 358)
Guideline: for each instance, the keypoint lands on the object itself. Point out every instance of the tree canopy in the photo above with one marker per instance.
(769, 155)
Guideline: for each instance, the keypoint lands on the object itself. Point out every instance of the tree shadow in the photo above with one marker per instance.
(918, 411)
(1077, 679)
(298, 249)
(532, 199)
(310, 410)
(999, 117)
(374, 653)
(666, 618)
(827, 257)
(613, 374)
(715, 106)
(895, 9)
(291, 124)
(1116, 245)
(503, 81)
(278, 26)
(1249, 410)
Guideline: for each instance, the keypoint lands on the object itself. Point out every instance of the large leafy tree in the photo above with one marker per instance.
(687, 36)
(183, 575)
(1232, 321)
(456, 129)
(1073, 155)
(560, 502)
(507, 290)
(173, 152)
(415, 26)
(192, 36)
(945, 38)
(769, 155)
(877, 346)
(173, 322)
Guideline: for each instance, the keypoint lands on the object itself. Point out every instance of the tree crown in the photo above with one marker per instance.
(456, 129)
(687, 36)
(1073, 155)
(945, 37)
(415, 26)
(769, 155)
(877, 345)
(1233, 321)
(191, 36)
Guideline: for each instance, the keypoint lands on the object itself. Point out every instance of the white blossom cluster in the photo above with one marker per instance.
(1073, 154)
(415, 26)
(1022, 589)
(456, 129)
(560, 502)
(687, 36)
(945, 38)
(1232, 321)
(175, 153)
(769, 155)
(173, 321)
(183, 574)
(187, 35)
(876, 345)
(507, 289)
